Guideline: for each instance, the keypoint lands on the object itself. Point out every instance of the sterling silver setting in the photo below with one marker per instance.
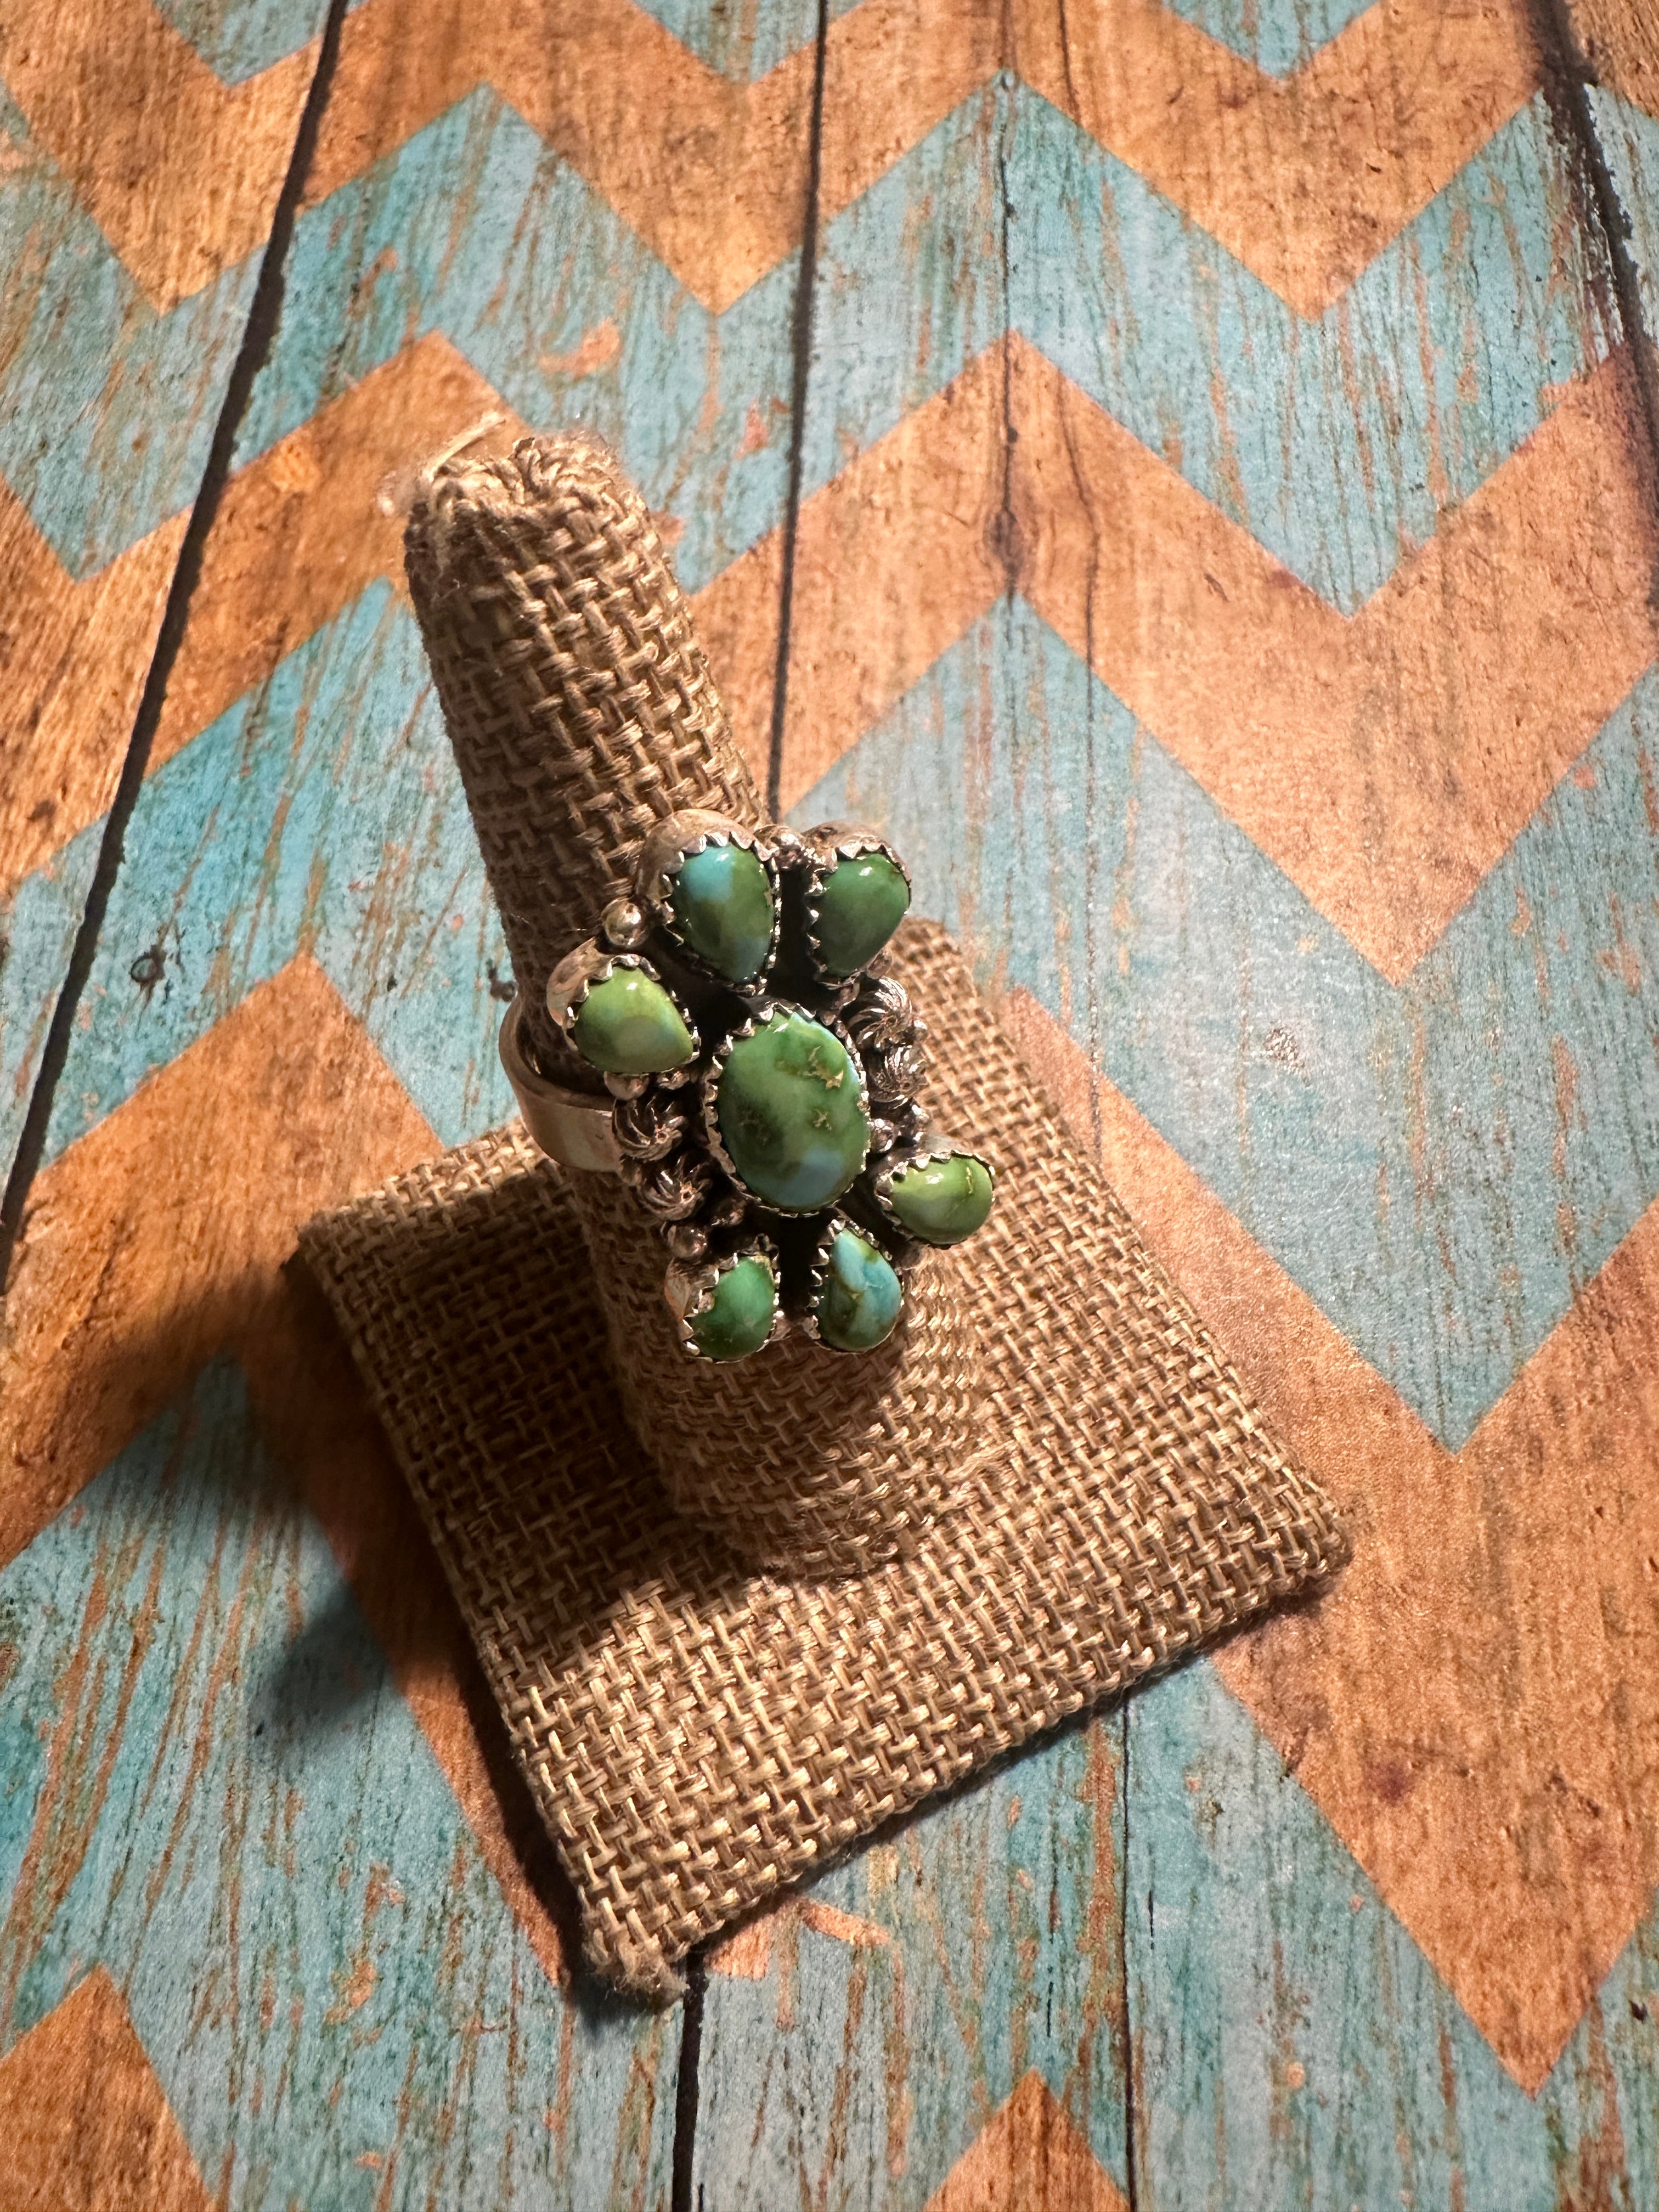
(661, 1132)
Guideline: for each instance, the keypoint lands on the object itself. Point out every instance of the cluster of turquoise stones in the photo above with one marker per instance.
(763, 1067)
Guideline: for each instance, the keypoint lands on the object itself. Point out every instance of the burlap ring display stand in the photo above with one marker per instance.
(1048, 1483)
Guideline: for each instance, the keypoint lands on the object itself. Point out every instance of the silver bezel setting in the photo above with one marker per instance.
(818, 1275)
(762, 1013)
(669, 846)
(568, 987)
(828, 846)
(919, 1153)
(688, 1289)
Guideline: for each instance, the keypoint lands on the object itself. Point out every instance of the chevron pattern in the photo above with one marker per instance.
(1572, 1443)
(1224, 560)
(84, 2057)
(718, 184)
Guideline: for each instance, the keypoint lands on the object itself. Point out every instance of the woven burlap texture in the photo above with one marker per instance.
(577, 698)
(696, 1735)
(582, 713)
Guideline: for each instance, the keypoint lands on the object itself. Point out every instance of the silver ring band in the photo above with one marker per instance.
(571, 1126)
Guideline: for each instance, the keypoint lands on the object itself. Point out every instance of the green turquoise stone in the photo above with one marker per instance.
(722, 902)
(859, 906)
(738, 1318)
(861, 1295)
(942, 1202)
(789, 1113)
(629, 1025)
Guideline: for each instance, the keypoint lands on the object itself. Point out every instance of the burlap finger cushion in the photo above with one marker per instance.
(582, 712)
(697, 1735)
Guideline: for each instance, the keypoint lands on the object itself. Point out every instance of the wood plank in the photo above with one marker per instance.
(218, 1798)
(297, 991)
(857, 2045)
(108, 402)
(1425, 1982)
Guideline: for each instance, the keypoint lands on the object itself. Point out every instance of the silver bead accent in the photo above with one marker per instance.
(624, 924)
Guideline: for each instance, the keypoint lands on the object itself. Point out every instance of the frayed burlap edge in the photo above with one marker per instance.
(697, 1735)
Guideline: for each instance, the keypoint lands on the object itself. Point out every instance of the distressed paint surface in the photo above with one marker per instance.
(1292, 2046)
(856, 2046)
(1192, 971)
(214, 1792)
(1056, 341)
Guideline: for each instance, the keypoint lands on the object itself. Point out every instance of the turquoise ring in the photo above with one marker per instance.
(761, 1066)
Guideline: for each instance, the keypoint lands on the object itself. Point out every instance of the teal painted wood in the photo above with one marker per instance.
(981, 1943)
(697, 406)
(322, 813)
(265, 1855)
(237, 39)
(108, 408)
(910, 290)
(1336, 443)
(473, 229)
(1628, 138)
(745, 39)
(1076, 859)
(38, 925)
(1276, 38)
(1292, 2046)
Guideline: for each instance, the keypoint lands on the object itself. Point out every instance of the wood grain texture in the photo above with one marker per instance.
(66, 750)
(1481, 1736)
(179, 171)
(715, 177)
(939, 2023)
(1619, 39)
(1223, 565)
(85, 2126)
(109, 403)
(216, 1794)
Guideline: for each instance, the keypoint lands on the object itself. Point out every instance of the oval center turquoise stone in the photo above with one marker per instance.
(722, 902)
(789, 1113)
(861, 1295)
(860, 903)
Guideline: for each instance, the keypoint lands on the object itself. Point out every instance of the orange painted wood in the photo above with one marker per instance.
(85, 2126)
(1362, 1909)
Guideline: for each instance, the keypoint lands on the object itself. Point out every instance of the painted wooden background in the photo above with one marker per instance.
(1210, 447)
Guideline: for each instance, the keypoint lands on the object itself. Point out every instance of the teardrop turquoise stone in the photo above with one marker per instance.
(861, 904)
(861, 1295)
(738, 1318)
(789, 1113)
(942, 1202)
(629, 1025)
(722, 902)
